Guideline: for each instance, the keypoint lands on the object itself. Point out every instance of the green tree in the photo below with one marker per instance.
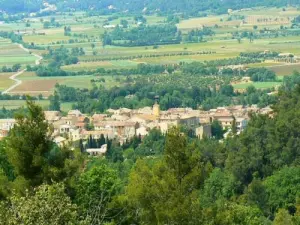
(29, 144)
(283, 218)
(16, 67)
(228, 213)
(95, 190)
(48, 205)
(54, 102)
(234, 126)
(283, 188)
(124, 23)
(33, 155)
(217, 130)
(218, 186)
(257, 195)
(164, 191)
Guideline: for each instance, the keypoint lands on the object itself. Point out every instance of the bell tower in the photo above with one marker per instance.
(156, 107)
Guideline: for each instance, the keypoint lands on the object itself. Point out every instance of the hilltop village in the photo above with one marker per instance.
(123, 124)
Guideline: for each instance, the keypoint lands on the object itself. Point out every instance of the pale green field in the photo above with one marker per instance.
(101, 64)
(195, 23)
(259, 85)
(264, 64)
(11, 54)
(15, 104)
(46, 39)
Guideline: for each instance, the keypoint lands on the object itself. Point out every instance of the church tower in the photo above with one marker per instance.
(156, 108)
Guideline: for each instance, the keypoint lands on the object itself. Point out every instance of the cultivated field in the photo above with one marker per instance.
(259, 85)
(5, 82)
(34, 85)
(15, 104)
(284, 70)
(86, 30)
(11, 54)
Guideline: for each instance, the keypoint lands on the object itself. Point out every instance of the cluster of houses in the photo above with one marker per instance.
(123, 124)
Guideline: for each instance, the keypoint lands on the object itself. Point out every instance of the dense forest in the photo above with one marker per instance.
(189, 7)
(174, 178)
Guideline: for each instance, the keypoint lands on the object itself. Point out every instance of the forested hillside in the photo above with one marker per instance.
(20, 6)
(161, 179)
(190, 7)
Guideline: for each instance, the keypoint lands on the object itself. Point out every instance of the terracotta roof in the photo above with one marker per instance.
(222, 114)
(115, 124)
(74, 112)
(99, 116)
(80, 124)
(81, 118)
(146, 117)
(95, 132)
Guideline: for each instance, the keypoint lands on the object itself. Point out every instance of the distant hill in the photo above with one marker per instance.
(16, 6)
(190, 7)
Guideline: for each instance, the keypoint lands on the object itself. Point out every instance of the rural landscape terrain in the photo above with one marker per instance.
(222, 41)
(179, 112)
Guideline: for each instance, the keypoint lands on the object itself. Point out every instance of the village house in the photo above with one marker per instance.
(225, 118)
(122, 129)
(7, 124)
(189, 121)
(96, 134)
(75, 113)
(142, 131)
(241, 123)
(98, 117)
(52, 116)
(143, 119)
(60, 141)
(97, 151)
(203, 131)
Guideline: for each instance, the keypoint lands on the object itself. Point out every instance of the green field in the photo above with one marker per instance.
(15, 104)
(11, 54)
(34, 85)
(89, 29)
(259, 85)
(101, 64)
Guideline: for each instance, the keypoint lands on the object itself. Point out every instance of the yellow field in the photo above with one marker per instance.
(5, 82)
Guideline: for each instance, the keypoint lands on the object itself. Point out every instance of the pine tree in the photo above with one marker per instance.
(29, 143)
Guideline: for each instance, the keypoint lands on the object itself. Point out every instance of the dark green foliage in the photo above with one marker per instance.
(283, 189)
(54, 102)
(33, 155)
(261, 74)
(95, 189)
(250, 178)
(217, 130)
(144, 36)
(28, 144)
(198, 35)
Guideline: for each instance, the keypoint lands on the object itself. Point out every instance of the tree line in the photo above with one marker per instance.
(143, 35)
